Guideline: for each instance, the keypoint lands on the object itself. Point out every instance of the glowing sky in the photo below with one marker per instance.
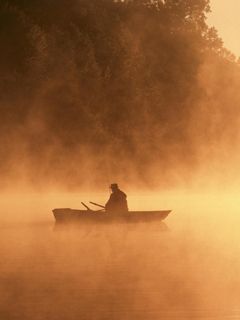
(225, 17)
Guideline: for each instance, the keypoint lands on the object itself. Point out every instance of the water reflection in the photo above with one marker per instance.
(92, 228)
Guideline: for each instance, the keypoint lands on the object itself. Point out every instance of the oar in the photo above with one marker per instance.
(96, 204)
(86, 206)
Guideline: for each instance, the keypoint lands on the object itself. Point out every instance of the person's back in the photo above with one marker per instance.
(117, 202)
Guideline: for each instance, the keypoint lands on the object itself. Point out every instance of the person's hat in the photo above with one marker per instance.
(114, 185)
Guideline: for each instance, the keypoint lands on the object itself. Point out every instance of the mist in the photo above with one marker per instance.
(90, 96)
(139, 93)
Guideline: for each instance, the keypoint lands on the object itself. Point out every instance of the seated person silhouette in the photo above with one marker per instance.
(117, 202)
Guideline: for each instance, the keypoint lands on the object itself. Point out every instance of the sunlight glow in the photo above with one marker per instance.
(225, 18)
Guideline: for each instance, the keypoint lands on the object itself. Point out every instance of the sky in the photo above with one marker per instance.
(225, 17)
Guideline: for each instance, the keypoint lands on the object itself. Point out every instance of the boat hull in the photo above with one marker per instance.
(66, 215)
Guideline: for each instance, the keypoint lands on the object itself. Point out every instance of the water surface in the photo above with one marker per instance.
(190, 271)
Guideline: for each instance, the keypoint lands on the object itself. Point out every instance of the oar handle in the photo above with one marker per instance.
(96, 204)
(86, 206)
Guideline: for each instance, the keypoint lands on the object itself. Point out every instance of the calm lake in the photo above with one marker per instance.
(188, 268)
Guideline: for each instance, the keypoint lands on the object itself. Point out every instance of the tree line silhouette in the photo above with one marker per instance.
(124, 87)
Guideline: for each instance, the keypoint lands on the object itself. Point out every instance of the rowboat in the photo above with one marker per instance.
(65, 215)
